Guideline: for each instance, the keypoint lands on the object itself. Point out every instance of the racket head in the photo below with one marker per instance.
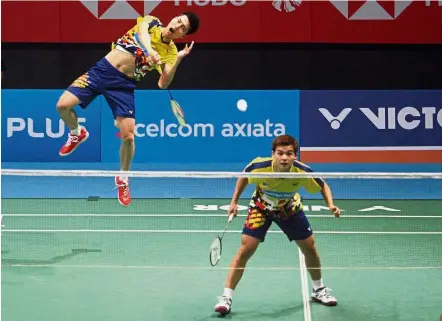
(216, 249)
(177, 111)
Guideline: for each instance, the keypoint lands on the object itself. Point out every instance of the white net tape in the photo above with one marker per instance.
(208, 174)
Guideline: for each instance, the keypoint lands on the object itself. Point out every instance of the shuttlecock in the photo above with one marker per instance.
(242, 105)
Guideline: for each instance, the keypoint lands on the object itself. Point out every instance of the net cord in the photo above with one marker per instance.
(220, 175)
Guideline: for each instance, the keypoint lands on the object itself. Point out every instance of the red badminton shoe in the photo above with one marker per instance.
(123, 191)
(73, 142)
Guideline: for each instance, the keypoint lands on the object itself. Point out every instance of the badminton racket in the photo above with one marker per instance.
(177, 110)
(216, 247)
(174, 105)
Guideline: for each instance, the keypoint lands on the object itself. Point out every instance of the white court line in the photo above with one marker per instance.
(206, 231)
(213, 215)
(304, 287)
(163, 267)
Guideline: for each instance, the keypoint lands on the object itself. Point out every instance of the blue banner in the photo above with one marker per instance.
(397, 118)
(222, 126)
(32, 130)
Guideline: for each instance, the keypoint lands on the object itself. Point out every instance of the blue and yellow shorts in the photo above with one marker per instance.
(104, 79)
(294, 224)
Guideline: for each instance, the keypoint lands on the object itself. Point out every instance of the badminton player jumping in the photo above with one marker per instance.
(147, 46)
(276, 200)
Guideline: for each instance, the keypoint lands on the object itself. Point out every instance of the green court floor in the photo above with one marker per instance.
(74, 259)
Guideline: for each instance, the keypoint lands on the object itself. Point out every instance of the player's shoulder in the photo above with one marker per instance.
(151, 20)
(150, 17)
(301, 166)
(259, 163)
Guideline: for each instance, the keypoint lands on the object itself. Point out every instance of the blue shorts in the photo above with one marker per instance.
(294, 225)
(104, 79)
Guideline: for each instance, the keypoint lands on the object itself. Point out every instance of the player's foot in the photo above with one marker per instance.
(224, 305)
(322, 295)
(123, 191)
(73, 142)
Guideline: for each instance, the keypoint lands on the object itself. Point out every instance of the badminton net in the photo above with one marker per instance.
(389, 220)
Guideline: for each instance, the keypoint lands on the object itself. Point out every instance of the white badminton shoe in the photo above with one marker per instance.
(323, 296)
(224, 305)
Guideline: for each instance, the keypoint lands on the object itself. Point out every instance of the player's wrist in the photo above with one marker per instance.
(148, 51)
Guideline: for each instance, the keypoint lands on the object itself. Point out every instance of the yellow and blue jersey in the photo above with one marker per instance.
(130, 43)
(277, 192)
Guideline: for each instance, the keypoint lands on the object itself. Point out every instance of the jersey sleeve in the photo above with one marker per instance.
(248, 169)
(151, 20)
(312, 185)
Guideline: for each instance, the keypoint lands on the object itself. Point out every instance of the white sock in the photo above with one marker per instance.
(76, 131)
(228, 293)
(124, 178)
(317, 284)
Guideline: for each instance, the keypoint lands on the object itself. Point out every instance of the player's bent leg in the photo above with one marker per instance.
(78, 134)
(248, 247)
(127, 150)
(65, 105)
(297, 228)
(312, 260)
(320, 293)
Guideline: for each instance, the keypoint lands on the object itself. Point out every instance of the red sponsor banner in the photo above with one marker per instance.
(238, 21)
(338, 155)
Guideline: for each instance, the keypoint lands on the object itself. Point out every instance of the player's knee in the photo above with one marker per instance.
(248, 248)
(245, 253)
(311, 251)
(308, 246)
(64, 104)
(128, 137)
(67, 101)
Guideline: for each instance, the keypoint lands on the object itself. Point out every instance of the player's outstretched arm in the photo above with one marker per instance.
(144, 36)
(327, 195)
(241, 185)
(169, 70)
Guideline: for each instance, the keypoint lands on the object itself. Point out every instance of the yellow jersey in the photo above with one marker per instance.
(277, 192)
(129, 42)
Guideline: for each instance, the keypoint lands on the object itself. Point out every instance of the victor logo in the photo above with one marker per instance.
(391, 118)
(335, 121)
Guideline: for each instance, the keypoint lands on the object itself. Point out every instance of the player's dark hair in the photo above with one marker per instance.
(194, 22)
(285, 140)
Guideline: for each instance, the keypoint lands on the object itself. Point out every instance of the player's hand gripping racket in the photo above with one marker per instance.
(216, 247)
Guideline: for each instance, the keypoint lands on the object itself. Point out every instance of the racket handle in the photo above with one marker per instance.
(231, 217)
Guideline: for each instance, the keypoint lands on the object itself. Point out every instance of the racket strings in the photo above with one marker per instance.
(178, 112)
(215, 251)
(216, 246)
